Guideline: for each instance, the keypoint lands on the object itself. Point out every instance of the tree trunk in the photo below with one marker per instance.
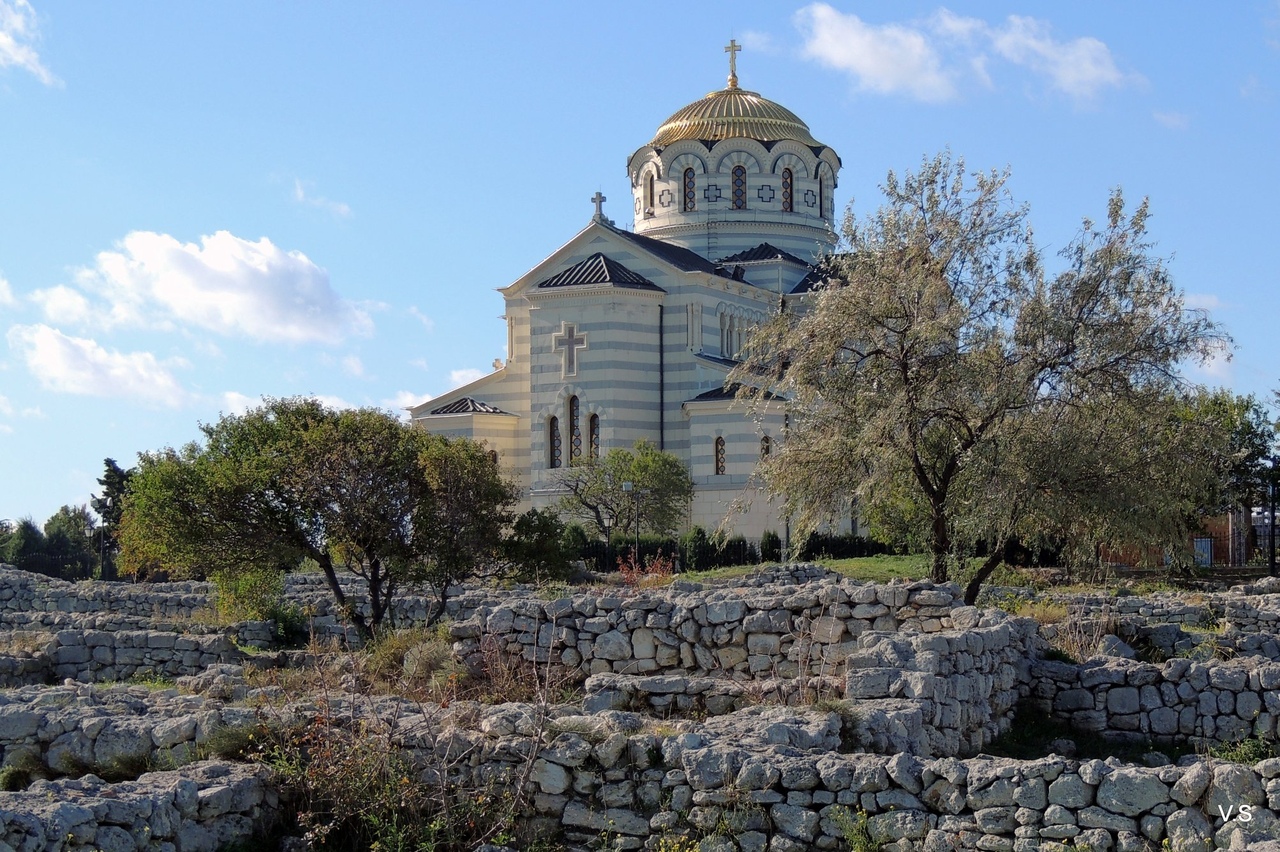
(975, 585)
(940, 545)
(331, 577)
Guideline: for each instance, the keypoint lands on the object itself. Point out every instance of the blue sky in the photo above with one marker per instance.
(202, 204)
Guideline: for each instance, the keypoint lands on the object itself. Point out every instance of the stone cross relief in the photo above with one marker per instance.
(568, 341)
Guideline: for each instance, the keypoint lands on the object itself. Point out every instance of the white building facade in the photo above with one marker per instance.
(619, 336)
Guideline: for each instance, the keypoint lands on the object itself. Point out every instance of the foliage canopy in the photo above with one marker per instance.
(658, 499)
(942, 378)
(353, 490)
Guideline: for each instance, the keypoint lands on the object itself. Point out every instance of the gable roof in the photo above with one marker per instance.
(678, 256)
(761, 253)
(598, 269)
(467, 405)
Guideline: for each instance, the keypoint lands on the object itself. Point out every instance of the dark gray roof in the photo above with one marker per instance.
(727, 392)
(678, 256)
(467, 405)
(762, 252)
(599, 269)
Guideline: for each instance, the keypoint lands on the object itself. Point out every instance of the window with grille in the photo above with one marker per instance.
(786, 190)
(648, 196)
(766, 447)
(575, 430)
(719, 456)
(690, 191)
(553, 442)
(593, 430)
(739, 188)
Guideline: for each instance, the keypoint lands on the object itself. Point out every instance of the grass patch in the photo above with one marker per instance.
(1043, 611)
(19, 774)
(882, 568)
(1248, 751)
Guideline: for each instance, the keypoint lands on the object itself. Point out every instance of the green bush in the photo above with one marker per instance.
(770, 547)
(249, 594)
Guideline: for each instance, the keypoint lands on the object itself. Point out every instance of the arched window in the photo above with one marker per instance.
(719, 456)
(493, 457)
(766, 446)
(786, 190)
(724, 335)
(575, 430)
(739, 187)
(554, 447)
(690, 191)
(822, 196)
(648, 195)
(593, 435)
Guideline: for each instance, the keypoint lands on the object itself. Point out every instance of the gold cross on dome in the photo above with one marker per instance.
(732, 49)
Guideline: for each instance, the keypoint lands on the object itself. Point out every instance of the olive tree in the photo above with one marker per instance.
(943, 378)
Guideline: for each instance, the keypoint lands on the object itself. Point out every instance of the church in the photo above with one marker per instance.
(624, 335)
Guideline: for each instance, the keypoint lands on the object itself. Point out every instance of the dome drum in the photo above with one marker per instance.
(734, 170)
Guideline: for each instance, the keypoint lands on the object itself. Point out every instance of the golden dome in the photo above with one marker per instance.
(733, 113)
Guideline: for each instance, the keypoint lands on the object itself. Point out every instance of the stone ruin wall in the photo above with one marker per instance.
(930, 680)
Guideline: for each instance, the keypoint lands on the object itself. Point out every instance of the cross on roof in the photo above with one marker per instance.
(568, 340)
(732, 49)
(599, 202)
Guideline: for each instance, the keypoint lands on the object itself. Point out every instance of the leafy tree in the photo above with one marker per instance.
(658, 501)
(70, 534)
(356, 491)
(539, 548)
(23, 539)
(940, 363)
(110, 505)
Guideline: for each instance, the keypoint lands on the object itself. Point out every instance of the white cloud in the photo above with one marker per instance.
(458, 378)
(237, 403)
(405, 399)
(929, 59)
(6, 407)
(337, 208)
(34, 411)
(353, 366)
(6, 429)
(758, 42)
(420, 363)
(1215, 368)
(18, 32)
(335, 402)
(78, 365)
(426, 321)
(1173, 120)
(225, 284)
(6, 292)
(62, 304)
(885, 59)
(1202, 301)
(1079, 67)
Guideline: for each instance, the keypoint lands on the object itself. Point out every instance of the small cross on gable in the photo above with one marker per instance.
(599, 202)
(568, 341)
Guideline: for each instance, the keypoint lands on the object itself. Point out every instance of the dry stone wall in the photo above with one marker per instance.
(1200, 702)
(205, 807)
(773, 778)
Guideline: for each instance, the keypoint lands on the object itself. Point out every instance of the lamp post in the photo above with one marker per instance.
(629, 489)
(1271, 518)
